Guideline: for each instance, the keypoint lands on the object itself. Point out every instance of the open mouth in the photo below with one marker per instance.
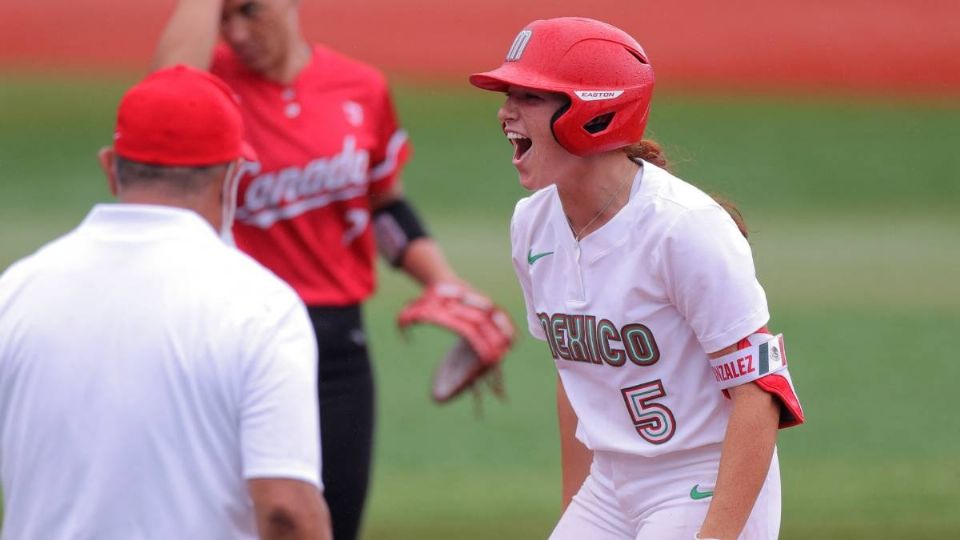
(521, 145)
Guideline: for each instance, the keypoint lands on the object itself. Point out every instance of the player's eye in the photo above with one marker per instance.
(249, 10)
(523, 96)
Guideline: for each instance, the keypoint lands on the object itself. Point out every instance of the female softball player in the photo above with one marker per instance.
(645, 292)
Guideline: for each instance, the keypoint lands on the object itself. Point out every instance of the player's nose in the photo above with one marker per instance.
(507, 111)
(235, 30)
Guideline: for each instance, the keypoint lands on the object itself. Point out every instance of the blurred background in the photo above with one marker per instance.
(834, 125)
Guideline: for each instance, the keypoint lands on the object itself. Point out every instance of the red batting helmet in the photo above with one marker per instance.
(601, 69)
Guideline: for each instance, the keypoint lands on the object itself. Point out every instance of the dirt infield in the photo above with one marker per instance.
(890, 46)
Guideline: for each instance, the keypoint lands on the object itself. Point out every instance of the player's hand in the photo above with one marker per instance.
(486, 333)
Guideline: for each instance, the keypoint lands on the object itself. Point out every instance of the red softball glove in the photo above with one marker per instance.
(486, 333)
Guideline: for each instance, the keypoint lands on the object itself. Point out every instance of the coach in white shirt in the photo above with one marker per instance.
(155, 382)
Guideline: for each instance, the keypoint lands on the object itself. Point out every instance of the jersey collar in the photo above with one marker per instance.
(612, 234)
(141, 222)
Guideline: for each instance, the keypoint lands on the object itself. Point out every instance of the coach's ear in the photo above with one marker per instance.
(108, 162)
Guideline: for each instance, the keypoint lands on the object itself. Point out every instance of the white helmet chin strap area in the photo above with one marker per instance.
(228, 200)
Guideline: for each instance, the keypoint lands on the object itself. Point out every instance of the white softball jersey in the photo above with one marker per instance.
(630, 312)
(147, 370)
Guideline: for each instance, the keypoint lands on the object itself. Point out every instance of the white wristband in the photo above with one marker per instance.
(698, 537)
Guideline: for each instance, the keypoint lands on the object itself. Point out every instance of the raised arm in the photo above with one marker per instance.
(190, 35)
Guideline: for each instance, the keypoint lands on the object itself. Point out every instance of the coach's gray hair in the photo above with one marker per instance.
(174, 179)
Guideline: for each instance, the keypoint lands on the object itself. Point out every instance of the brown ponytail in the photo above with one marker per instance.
(734, 213)
(651, 152)
(648, 151)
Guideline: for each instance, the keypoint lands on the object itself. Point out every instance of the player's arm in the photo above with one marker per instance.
(745, 457)
(190, 35)
(403, 240)
(575, 458)
(289, 509)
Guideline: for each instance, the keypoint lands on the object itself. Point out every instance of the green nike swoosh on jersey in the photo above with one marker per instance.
(531, 258)
(696, 494)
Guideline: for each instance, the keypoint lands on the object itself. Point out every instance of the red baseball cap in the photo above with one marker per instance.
(180, 116)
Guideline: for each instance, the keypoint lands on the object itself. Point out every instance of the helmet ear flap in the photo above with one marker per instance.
(556, 116)
(594, 126)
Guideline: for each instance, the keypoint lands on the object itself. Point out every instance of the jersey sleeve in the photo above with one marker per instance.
(521, 267)
(392, 149)
(279, 420)
(708, 270)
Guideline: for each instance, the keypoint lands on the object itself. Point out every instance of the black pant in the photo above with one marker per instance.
(346, 393)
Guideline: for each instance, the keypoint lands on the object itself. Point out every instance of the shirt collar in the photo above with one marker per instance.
(614, 233)
(141, 222)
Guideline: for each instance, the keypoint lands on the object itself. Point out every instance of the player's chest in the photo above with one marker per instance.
(314, 148)
(600, 310)
(298, 126)
(596, 313)
(608, 277)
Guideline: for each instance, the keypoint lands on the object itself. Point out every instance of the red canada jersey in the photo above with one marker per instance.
(325, 144)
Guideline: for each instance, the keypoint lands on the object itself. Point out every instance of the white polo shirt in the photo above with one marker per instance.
(630, 312)
(146, 371)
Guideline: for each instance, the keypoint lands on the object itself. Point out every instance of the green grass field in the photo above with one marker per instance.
(853, 207)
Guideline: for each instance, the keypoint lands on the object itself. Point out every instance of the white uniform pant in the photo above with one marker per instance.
(627, 497)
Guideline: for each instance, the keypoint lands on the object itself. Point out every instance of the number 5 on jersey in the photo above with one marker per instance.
(653, 421)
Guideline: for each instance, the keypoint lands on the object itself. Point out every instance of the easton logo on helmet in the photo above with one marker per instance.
(519, 44)
(598, 95)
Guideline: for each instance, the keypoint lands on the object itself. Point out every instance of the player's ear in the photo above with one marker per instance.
(108, 162)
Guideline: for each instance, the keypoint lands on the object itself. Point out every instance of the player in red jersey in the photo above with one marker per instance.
(324, 197)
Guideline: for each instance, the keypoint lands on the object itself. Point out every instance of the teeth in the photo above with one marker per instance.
(514, 136)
